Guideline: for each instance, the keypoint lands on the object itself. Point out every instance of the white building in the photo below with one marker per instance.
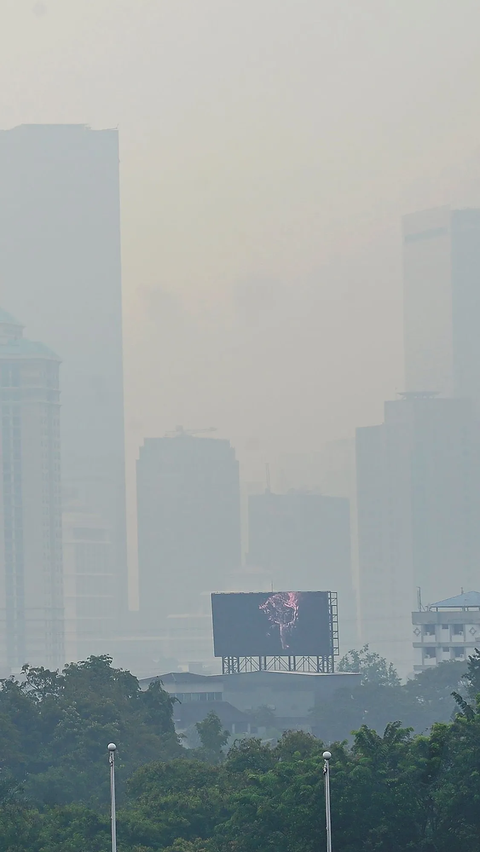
(447, 630)
(31, 597)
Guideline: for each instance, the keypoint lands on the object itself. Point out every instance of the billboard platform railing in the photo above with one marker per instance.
(239, 665)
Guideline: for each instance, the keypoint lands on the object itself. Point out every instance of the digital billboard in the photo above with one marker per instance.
(272, 623)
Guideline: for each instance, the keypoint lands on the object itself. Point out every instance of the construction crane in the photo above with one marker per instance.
(180, 432)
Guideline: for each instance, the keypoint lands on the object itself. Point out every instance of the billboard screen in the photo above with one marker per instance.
(271, 623)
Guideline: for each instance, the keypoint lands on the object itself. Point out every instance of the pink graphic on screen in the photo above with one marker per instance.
(281, 610)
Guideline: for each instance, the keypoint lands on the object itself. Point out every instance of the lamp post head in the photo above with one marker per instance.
(327, 755)
(112, 747)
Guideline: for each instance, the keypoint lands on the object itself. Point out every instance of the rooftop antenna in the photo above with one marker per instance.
(419, 599)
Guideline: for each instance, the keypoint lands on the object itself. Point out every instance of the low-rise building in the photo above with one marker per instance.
(447, 630)
(289, 695)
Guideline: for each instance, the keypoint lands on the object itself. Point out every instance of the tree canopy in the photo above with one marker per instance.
(381, 697)
(393, 790)
(373, 668)
(54, 728)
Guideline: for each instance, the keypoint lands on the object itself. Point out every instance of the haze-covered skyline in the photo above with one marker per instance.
(267, 153)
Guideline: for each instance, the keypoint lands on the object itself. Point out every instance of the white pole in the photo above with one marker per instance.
(326, 772)
(113, 816)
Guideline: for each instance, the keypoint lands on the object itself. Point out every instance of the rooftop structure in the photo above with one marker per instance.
(446, 630)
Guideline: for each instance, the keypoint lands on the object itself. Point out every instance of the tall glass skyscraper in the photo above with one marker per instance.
(60, 271)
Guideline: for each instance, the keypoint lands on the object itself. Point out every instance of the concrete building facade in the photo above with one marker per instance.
(31, 591)
(447, 630)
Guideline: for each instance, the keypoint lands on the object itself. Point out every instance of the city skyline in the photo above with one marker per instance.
(260, 220)
(273, 309)
(86, 605)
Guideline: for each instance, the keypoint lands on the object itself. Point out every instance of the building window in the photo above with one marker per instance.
(429, 653)
(446, 650)
(198, 696)
(458, 629)
(459, 652)
(429, 630)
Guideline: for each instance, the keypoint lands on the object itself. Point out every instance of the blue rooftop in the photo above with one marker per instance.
(459, 601)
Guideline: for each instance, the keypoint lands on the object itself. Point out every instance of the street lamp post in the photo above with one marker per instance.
(113, 816)
(326, 772)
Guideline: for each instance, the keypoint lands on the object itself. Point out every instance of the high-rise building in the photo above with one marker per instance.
(88, 581)
(441, 260)
(189, 540)
(418, 497)
(302, 540)
(31, 596)
(60, 272)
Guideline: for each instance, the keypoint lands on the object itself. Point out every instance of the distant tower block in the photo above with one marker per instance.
(418, 479)
(441, 263)
(60, 271)
(189, 543)
(31, 597)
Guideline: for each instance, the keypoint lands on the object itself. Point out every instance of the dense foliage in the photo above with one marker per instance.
(381, 697)
(391, 792)
(54, 729)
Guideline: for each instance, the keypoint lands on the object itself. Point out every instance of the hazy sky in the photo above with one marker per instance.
(268, 150)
